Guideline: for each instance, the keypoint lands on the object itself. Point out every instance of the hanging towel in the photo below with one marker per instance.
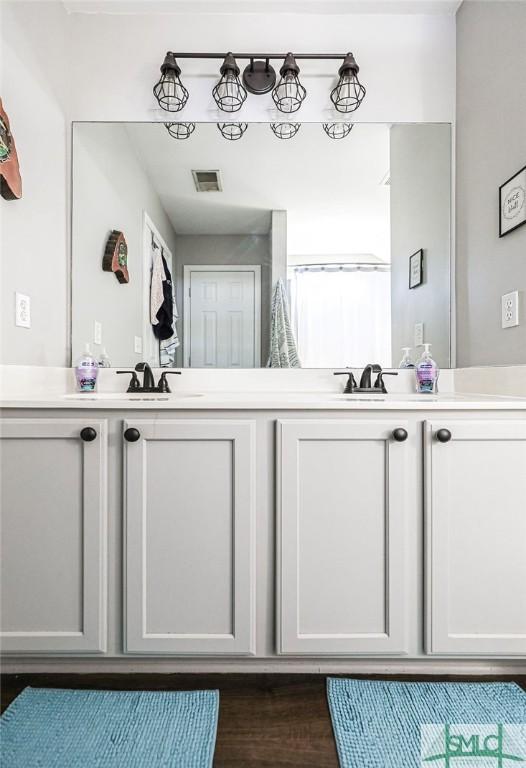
(156, 283)
(163, 310)
(168, 347)
(163, 328)
(283, 350)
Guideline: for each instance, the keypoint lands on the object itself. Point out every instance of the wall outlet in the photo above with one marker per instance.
(97, 332)
(138, 345)
(22, 310)
(419, 334)
(510, 309)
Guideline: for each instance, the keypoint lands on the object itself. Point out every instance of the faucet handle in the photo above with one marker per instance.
(379, 383)
(162, 386)
(134, 384)
(351, 381)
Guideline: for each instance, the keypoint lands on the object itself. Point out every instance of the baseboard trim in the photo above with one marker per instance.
(285, 666)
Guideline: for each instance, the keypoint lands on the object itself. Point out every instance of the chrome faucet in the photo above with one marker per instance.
(365, 380)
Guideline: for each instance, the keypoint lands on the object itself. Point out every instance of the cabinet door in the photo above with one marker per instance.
(189, 537)
(53, 551)
(341, 496)
(476, 537)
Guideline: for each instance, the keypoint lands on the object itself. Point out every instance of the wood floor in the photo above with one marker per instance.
(265, 721)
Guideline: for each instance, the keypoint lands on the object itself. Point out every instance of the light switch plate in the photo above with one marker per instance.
(97, 332)
(510, 309)
(419, 334)
(138, 345)
(22, 310)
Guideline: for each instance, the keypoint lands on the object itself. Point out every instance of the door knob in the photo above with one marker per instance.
(400, 434)
(132, 435)
(443, 435)
(88, 434)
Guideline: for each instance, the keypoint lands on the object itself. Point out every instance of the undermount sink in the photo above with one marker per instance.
(358, 399)
(386, 397)
(132, 395)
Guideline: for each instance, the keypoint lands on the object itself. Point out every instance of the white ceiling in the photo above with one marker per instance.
(331, 190)
(440, 7)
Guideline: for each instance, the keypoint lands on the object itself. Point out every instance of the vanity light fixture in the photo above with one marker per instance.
(349, 93)
(259, 77)
(180, 130)
(285, 130)
(232, 131)
(229, 94)
(289, 93)
(169, 91)
(337, 130)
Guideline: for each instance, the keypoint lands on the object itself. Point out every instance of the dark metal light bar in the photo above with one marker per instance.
(259, 77)
(314, 56)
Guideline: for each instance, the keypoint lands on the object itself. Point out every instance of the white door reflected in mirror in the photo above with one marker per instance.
(222, 316)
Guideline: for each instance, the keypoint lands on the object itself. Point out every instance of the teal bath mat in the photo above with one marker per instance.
(378, 724)
(50, 728)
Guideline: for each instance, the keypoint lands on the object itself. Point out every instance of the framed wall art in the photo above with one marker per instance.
(512, 203)
(416, 269)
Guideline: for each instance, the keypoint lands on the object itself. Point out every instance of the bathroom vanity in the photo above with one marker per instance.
(267, 529)
(257, 518)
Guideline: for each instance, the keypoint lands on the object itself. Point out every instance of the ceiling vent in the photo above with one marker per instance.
(207, 181)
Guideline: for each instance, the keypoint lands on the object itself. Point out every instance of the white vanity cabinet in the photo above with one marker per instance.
(53, 545)
(475, 480)
(189, 538)
(396, 534)
(341, 536)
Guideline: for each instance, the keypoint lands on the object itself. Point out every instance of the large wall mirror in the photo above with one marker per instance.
(307, 251)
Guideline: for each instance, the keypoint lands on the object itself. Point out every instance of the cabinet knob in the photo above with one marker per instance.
(88, 434)
(443, 435)
(400, 434)
(132, 435)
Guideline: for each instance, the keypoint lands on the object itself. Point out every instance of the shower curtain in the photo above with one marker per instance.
(341, 315)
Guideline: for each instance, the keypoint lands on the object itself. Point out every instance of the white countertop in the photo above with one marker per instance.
(216, 400)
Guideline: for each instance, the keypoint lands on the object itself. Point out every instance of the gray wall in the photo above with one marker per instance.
(110, 191)
(33, 229)
(491, 147)
(420, 161)
(226, 249)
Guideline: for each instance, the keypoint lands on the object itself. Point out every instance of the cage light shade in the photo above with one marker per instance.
(289, 93)
(180, 130)
(285, 130)
(349, 93)
(229, 93)
(169, 91)
(337, 130)
(232, 131)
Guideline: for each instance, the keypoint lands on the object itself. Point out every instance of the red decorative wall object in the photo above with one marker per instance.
(10, 179)
(116, 257)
